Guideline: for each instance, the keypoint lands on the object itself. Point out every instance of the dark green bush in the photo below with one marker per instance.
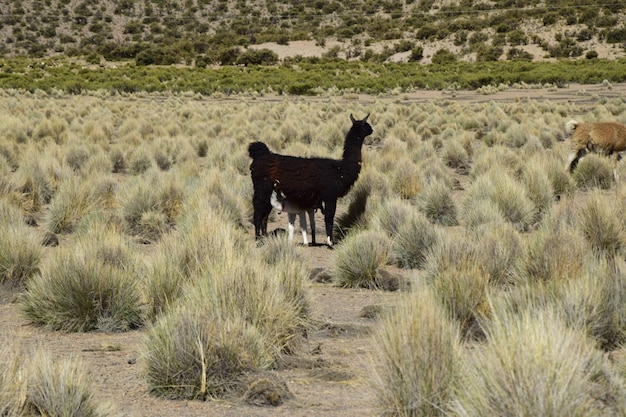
(258, 57)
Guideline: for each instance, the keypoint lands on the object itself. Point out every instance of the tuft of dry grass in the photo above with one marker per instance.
(20, 249)
(90, 286)
(499, 248)
(595, 302)
(72, 202)
(458, 280)
(419, 359)
(601, 224)
(232, 319)
(532, 364)
(594, 171)
(412, 243)
(190, 354)
(358, 259)
(437, 203)
(505, 193)
(35, 383)
(151, 209)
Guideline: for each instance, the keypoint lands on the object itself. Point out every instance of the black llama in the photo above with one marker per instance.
(306, 182)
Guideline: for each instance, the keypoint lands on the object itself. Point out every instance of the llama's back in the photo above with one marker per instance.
(608, 136)
(305, 181)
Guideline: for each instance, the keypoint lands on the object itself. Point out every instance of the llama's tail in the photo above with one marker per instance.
(570, 127)
(256, 149)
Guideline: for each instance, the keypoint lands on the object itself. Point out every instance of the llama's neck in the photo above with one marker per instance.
(352, 149)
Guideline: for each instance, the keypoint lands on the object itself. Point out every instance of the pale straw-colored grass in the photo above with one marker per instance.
(91, 285)
(505, 193)
(414, 240)
(601, 224)
(33, 382)
(532, 364)
(417, 361)
(358, 259)
(20, 249)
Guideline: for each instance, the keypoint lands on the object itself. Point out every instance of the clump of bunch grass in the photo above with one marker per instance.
(436, 202)
(359, 258)
(236, 319)
(601, 224)
(406, 180)
(191, 354)
(538, 188)
(506, 193)
(594, 171)
(595, 302)
(20, 250)
(74, 200)
(458, 280)
(498, 250)
(151, 209)
(392, 215)
(455, 156)
(557, 250)
(36, 184)
(205, 237)
(476, 213)
(62, 388)
(562, 182)
(419, 360)
(35, 383)
(532, 364)
(413, 241)
(89, 286)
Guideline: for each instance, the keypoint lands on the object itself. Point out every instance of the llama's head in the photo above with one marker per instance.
(360, 128)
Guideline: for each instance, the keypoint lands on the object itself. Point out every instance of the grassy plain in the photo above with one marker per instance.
(512, 271)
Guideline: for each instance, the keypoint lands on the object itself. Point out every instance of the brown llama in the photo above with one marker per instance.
(604, 138)
(306, 183)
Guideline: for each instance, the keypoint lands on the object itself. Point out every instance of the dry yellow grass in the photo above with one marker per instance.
(169, 174)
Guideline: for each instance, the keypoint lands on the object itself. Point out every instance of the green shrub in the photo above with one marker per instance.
(594, 171)
(257, 57)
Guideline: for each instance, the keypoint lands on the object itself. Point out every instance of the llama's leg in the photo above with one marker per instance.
(573, 159)
(312, 222)
(292, 219)
(302, 216)
(261, 214)
(329, 217)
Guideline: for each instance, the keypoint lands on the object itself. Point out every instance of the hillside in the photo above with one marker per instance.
(214, 32)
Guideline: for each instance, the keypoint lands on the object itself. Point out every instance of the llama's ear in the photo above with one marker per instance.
(365, 120)
(352, 118)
